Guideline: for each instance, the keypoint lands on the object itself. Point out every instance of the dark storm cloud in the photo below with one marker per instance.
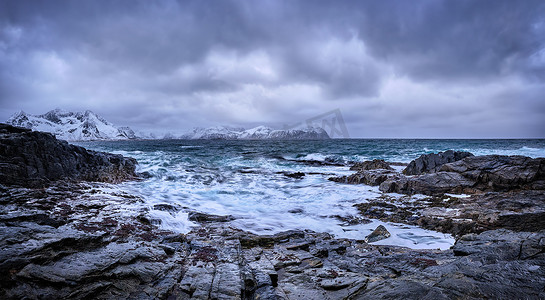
(460, 39)
(392, 66)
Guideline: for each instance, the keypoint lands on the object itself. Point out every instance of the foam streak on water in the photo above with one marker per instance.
(245, 179)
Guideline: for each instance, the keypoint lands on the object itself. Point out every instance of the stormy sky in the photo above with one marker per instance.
(437, 69)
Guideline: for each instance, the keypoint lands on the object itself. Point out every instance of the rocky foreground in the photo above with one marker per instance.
(78, 241)
(86, 240)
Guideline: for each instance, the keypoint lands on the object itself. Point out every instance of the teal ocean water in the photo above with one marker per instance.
(246, 179)
(403, 150)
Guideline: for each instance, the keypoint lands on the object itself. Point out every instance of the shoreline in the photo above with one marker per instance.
(77, 239)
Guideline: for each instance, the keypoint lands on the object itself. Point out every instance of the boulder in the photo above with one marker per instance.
(429, 163)
(296, 175)
(371, 165)
(380, 233)
(428, 184)
(33, 159)
(501, 173)
(369, 177)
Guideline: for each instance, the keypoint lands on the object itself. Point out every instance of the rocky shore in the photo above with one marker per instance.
(453, 172)
(64, 235)
(72, 241)
(34, 159)
(502, 192)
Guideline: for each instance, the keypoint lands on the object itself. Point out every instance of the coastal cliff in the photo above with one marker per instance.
(33, 159)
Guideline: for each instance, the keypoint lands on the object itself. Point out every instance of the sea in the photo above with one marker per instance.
(246, 179)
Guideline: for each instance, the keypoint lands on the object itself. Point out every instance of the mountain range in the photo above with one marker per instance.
(88, 126)
(257, 133)
(72, 126)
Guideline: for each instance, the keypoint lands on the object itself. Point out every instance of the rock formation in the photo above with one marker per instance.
(76, 241)
(467, 174)
(371, 165)
(500, 173)
(32, 158)
(378, 234)
(429, 163)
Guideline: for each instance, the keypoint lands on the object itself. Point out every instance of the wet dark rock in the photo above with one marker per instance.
(302, 244)
(202, 217)
(166, 207)
(250, 240)
(429, 163)
(145, 175)
(474, 174)
(396, 163)
(501, 173)
(402, 289)
(517, 210)
(352, 220)
(384, 211)
(40, 219)
(380, 233)
(296, 175)
(32, 158)
(428, 184)
(466, 174)
(371, 165)
(369, 177)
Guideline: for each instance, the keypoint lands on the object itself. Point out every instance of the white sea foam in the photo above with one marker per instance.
(268, 203)
(458, 195)
(314, 156)
(175, 221)
(398, 168)
(263, 200)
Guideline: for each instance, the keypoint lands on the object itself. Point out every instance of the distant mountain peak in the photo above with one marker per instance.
(72, 126)
(18, 115)
(256, 133)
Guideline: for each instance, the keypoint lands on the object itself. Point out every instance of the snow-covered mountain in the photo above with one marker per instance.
(257, 133)
(88, 126)
(72, 126)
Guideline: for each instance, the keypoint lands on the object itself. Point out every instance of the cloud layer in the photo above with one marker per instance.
(394, 68)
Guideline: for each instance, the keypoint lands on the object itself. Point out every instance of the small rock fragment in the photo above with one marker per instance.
(380, 233)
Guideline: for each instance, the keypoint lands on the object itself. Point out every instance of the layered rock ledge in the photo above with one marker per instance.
(454, 172)
(503, 192)
(77, 241)
(34, 159)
